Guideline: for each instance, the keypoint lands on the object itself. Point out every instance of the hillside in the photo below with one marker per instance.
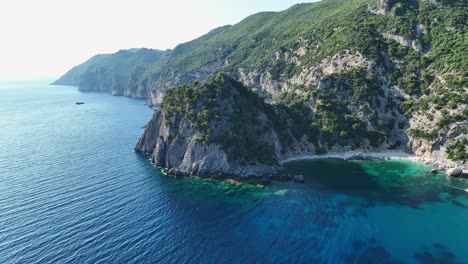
(73, 76)
(110, 72)
(273, 52)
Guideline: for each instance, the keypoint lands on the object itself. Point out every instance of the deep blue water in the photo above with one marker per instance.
(73, 191)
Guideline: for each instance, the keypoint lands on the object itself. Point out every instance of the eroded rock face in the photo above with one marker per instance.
(159, 154)
(147, 141)
(436, 149)
(184, 157)
(204, 160)
(403, 41)
(222, 128)
(381, 8)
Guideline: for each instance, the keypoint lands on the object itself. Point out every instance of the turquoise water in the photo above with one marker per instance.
(73, 191)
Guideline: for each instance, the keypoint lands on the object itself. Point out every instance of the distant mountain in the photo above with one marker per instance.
(110, 72)
(73, 76)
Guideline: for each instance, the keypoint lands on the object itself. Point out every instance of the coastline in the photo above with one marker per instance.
(389, 155)
(265, 178)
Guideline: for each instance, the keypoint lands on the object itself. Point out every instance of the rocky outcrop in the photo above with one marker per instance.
(298, 178)
(381, 8)
(177, 141)
(404, 41)
(454, 172)
(185, 155)
(147, 141)
(436, 149)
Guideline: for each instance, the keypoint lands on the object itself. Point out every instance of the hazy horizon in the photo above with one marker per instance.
(44, 39)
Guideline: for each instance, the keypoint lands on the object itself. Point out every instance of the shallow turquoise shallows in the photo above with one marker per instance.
(73, 191)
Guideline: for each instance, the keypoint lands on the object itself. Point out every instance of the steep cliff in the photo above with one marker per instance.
(220, 128)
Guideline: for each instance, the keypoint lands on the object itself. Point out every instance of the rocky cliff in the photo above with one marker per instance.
(220, 128)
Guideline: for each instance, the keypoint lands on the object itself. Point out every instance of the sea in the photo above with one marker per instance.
(72, 190)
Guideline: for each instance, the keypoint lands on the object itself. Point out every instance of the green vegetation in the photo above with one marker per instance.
(72, 77)
(251, 43)
(418, 133)
(329, 27)
(198, 104)
(458, 150)
(339, 126)
(116, 69)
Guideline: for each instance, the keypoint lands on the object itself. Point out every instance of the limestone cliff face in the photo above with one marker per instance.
(183, 154)
(436, 148)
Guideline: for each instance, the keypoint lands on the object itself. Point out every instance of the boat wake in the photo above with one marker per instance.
(466, 190)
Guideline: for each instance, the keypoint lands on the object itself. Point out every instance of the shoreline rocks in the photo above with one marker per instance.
(454, 172)
(279, 175)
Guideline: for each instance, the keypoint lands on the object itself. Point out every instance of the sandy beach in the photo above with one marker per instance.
(393, 155)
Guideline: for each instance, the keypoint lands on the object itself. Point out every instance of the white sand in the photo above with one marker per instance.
(395, 155)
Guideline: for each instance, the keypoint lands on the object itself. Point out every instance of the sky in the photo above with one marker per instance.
(42, 39)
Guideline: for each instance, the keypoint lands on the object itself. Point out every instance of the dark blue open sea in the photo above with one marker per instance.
(73, 191)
